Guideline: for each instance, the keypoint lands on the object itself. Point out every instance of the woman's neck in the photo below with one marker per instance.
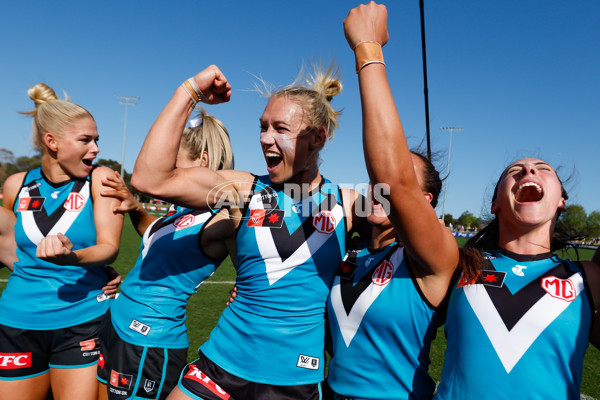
(526, 240)
(52, 169)
(381, 237)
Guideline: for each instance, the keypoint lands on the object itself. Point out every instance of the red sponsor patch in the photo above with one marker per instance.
(324, 222)
(88, 345)
(256, 217)
(383, 274)
(74, 202)
(15, 360)
(120, 380)
(30, 203)
(184, 221)
(196, 375)
(563, 289)
(101, 361)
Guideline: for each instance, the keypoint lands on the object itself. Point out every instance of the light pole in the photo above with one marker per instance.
(128, 101)
(451, 129)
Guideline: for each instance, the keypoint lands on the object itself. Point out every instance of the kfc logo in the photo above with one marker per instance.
(15, 360)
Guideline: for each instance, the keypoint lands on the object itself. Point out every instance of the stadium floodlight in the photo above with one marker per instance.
(127, 101)
(451, 129)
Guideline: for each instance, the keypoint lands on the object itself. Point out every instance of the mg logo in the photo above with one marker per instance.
(184, 221)
(74, 202)
(324, 222)
(383, 273)
(560, 288)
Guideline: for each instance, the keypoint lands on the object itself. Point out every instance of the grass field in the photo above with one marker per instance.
(206, 306)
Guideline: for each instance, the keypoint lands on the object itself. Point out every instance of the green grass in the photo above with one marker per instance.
(206, 306)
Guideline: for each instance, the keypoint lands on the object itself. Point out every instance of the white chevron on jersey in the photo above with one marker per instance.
(349, 323)
(276, 268)
(511, 345)
(64, 223)
(149, 239)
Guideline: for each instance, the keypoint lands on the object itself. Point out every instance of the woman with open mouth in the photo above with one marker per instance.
(66, 235)
(291, 232)
(519, 319)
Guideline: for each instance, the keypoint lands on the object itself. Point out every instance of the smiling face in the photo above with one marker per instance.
(529, 193)
(76, 147)
(289, 146)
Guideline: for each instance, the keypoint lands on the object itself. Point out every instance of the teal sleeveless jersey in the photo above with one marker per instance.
(39, 294)
(151, 309)
(519, 331)
(381, 328)
(288, 251)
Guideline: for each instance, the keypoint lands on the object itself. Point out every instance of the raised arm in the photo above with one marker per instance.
(155, 171)
(388, 157)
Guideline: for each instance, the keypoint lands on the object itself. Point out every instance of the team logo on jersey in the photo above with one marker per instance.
(15, 360)
(262, 218)
(383, 273)
(139, 327)
(120, 380)
(485, 277)
(30, 203)
(307, 362)
(518, 270)
(54, 194)
(324, 222)
(74, 202)
(512, 330)
(149, 385)
(351, 301)
(184, 221)
(559, 288)
(101, 361)
(196, 375)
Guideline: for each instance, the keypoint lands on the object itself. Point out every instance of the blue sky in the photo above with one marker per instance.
(521, 77)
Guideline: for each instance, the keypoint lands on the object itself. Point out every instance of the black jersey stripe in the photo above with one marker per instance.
(511, 307)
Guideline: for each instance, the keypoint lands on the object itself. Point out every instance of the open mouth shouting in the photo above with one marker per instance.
(273, 159)
(529, 192)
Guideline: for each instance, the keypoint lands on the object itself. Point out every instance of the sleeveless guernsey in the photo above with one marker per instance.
(151, 309)
(381, 327)
(39, 294)
(288, 252)
(520, 331)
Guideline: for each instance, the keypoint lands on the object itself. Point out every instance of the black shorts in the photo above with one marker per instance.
(132, 371)
(25, 353)
(205, 380)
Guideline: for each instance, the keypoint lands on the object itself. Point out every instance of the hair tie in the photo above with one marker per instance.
(195, 122)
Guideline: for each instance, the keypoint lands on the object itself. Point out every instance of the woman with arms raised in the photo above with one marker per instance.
(382, 312)
(518, 314)
(291, 231)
